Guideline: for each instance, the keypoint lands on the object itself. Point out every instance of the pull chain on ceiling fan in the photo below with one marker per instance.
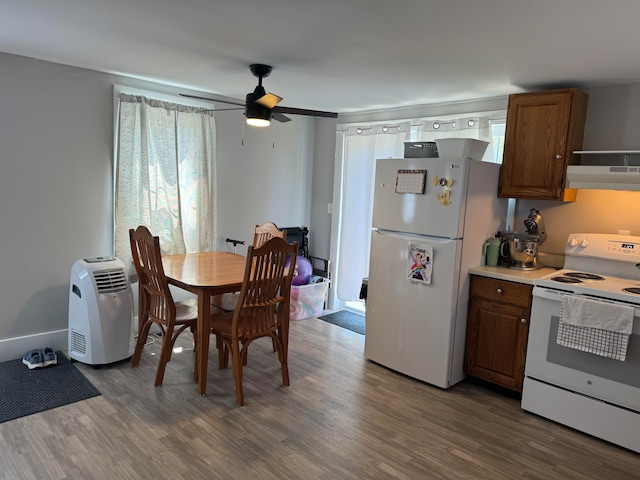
(260, 107)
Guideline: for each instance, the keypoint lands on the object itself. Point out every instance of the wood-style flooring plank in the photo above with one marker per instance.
(343, 417)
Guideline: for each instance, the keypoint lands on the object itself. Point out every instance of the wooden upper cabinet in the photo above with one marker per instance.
(542, 131)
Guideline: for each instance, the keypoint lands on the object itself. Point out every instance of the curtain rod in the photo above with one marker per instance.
(369, 127)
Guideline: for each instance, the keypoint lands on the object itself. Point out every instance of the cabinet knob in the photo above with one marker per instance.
(523, 320)
(558, 156)
(499, 290)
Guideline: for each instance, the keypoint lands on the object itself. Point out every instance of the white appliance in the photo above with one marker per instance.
(100, 311)
(595, 394)
(605, 170)
(601, 177)
(444, 208)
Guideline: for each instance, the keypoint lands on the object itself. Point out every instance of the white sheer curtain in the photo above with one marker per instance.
(362, 146)
(165, 173)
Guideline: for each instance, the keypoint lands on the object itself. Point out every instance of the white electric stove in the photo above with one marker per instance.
(589, 392)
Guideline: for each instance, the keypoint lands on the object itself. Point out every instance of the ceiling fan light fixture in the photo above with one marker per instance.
(258, 116)
(258, 122)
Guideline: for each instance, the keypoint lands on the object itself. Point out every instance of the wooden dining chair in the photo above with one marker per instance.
(261, 234)
(266, 231)
(156, 302)
(262, 309)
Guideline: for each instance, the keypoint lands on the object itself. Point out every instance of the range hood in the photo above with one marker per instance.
(606, 170)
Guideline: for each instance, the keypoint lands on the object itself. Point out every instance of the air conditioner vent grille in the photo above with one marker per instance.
(112, 280)
(78, 342)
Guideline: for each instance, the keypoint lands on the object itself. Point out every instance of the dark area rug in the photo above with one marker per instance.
(24, 392)
(349, 320)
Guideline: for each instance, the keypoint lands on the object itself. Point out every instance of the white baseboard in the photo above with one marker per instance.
(15, 348)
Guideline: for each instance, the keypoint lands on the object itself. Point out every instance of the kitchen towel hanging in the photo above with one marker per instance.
(599, 327)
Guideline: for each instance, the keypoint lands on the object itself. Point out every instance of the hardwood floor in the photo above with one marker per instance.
(342, 418)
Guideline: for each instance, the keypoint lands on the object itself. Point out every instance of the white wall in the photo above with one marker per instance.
(56, 155)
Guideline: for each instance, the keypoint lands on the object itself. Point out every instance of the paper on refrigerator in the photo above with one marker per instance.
(420, 263)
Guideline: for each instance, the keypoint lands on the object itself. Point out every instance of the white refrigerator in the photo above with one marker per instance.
(431, 217)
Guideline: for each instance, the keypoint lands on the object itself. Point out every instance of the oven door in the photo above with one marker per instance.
(599, 377)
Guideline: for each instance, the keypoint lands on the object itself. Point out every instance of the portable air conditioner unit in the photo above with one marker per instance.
(100, 311)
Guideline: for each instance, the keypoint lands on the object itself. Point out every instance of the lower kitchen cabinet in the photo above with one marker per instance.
(497, 330)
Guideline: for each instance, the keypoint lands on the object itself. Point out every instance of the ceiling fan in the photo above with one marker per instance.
(260, 107)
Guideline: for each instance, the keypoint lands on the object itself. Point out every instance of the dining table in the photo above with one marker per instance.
(205, 274)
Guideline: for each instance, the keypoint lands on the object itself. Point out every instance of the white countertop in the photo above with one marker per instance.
(511, 274)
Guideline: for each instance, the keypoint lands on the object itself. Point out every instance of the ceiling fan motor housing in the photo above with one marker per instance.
(260, 70)
(255, 110)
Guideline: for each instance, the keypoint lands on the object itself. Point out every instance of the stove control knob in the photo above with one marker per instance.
(584, 243)
(573, 242)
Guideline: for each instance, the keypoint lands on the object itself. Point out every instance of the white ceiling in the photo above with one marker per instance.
(338, 55)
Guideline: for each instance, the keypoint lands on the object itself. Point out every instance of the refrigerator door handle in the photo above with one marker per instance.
(425, 239)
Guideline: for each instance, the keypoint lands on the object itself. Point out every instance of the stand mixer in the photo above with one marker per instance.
(524, 251)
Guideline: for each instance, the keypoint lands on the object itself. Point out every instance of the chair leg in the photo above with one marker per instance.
(223, 353)
(195, 362)
(194, 340)
(282, 357)
(140, 342)
(236, 365)
(245, 354)
(165, 355)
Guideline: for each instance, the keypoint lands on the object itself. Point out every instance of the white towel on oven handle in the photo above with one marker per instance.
(600, 314)
(598, 327)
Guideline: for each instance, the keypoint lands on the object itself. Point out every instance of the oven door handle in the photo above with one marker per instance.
(548, 293)
(556, 296)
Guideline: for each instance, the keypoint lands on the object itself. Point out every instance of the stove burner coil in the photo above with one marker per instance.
(634, 290)
(566, 280)
(584, 276)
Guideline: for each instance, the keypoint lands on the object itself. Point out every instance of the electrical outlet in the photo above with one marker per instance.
(330, 208)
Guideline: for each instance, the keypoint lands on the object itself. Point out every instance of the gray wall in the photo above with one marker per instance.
(56, 128)
(322, 187)
(613, 123)
(56, 155)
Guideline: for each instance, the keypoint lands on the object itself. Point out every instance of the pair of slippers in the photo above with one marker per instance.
(41, 357)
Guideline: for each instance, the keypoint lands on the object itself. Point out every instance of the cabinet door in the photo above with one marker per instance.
(543, 128)
(496, 342)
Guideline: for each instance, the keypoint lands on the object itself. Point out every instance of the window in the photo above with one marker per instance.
(165, 170)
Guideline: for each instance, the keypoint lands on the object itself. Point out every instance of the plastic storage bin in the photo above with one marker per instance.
(461, 148)
(308, 300)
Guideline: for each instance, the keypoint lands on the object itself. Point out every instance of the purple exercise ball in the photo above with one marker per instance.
(302, 275)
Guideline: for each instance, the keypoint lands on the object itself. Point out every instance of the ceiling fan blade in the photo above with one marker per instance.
(269, 100)
(219, 100)
(280, 117)
(302, 111)
(224, 109)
